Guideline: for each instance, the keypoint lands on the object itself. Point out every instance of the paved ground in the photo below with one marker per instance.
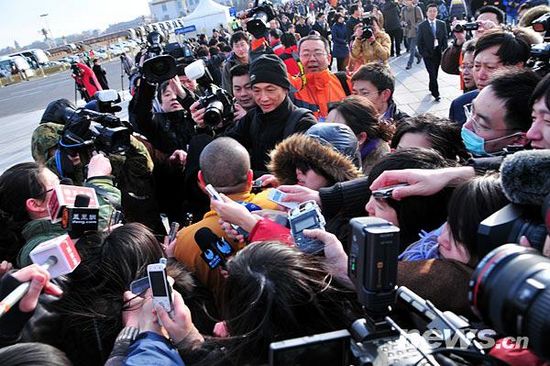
(411, 92)
(21, 105)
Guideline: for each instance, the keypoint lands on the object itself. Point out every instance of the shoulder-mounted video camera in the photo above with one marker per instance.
(89, 129)
(259, 15)
(158, 67)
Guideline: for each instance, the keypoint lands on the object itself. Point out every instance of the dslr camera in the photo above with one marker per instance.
(510, 291)
(509, 224)
(464, 27)
(219, 105)
(259, 16)
(367, 27)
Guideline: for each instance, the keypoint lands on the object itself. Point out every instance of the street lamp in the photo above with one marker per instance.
(49, 31)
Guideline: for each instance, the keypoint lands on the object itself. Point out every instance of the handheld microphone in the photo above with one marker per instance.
(215, 250)
(80, 217)
(58, 256)
(525, 177)
(65, 195)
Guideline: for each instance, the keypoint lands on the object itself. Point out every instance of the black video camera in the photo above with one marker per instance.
(464, 27)
(158, 67)
(377, 339)
(367, 27)
(182, 52)
(539, 61)
(219, 105)
(259, 16)
(85, 129)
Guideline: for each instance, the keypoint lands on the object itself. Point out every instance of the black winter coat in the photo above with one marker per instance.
(391, 13)
(259, 132)
(166, 131)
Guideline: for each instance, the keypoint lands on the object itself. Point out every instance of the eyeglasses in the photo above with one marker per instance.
(316, 54)
(43, 193)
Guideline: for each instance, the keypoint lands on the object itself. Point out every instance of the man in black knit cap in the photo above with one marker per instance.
(275, 116)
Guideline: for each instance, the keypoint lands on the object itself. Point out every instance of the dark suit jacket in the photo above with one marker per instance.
(425, 38)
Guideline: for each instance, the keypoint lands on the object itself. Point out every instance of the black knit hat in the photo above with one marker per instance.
(269, 69)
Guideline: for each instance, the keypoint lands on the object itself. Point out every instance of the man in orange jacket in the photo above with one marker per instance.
(319, 86)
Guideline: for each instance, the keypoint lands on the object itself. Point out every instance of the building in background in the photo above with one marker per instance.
(171, 9)
(168, 9)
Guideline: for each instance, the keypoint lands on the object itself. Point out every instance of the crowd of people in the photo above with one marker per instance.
(311, 114)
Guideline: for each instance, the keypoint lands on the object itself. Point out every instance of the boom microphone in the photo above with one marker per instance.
(215, 250)
(525, 177)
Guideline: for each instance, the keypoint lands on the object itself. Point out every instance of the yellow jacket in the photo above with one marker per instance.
(188, 252)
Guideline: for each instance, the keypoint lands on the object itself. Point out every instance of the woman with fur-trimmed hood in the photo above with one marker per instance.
(326, 154)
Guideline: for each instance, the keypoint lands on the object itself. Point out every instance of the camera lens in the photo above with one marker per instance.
(510, 289)
(213, 113)
(458, 28)
(159, 67)
(367, 32)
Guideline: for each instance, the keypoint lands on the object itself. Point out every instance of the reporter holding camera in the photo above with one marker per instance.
(487, 17)
(169, 133)
(170, 129)
(371, 44)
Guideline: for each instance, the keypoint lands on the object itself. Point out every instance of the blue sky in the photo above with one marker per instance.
(21, 21)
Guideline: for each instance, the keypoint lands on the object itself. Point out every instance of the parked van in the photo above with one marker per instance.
(36, 54)
(21, 65)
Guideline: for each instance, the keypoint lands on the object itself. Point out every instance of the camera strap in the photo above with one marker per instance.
(343, 79)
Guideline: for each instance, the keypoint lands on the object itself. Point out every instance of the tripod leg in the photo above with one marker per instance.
(122, 79)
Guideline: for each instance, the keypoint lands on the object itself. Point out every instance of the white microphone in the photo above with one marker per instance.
(58, 256)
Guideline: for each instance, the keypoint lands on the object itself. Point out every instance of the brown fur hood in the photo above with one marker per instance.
(322, 158)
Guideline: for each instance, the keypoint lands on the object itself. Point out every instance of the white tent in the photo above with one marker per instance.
(207, 16)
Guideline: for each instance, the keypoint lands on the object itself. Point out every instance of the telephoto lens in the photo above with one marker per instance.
(510, 290)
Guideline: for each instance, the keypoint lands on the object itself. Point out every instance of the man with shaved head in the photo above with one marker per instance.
(225, 164)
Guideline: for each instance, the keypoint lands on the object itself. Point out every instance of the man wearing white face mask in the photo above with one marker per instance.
(499, 116)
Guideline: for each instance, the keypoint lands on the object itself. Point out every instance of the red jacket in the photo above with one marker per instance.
(289, 57)
(87, 80)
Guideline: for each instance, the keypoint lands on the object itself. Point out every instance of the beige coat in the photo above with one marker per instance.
(377, 51)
